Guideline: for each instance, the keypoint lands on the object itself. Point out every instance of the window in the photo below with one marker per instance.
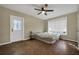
(58, 26)
(17, 25)
(16, 22)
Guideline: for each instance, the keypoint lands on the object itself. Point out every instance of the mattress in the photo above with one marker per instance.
(47, 38)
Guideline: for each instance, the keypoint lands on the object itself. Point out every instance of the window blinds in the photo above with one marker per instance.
(58, 26)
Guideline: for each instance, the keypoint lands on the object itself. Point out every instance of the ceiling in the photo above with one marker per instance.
(59, 9)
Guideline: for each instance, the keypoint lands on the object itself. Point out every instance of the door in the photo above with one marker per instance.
(16, 28)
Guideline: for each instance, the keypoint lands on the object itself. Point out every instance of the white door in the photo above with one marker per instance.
(16, 28)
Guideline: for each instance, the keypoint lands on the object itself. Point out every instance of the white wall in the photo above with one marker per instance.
(78, 26)
(30, 23)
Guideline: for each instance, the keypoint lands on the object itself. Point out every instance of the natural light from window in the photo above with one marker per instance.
(58, 26)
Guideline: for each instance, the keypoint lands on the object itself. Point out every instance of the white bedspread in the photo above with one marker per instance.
(47, 35)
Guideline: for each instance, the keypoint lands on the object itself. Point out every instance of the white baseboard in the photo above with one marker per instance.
(13, 42)
(71, 40)
(5, 43)
(27, 38)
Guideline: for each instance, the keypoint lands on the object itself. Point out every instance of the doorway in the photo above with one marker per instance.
(16, 28)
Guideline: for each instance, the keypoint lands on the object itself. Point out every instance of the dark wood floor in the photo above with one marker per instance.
(36, 47)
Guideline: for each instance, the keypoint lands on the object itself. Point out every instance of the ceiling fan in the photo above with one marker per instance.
(43, 10)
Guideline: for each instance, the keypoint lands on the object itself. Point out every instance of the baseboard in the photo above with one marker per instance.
(12, 42)
(27, 38)
(70, 40)
(5, 43)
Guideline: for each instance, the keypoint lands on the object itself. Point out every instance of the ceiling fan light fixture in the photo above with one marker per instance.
(43, 12)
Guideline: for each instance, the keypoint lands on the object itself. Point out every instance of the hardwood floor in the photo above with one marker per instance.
(36, 47)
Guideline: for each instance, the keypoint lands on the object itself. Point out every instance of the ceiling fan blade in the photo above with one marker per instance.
(37, 9)
(39, 13)
(45, 13)
(49, 10)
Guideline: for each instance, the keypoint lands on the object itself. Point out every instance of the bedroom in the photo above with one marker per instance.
(38, 23)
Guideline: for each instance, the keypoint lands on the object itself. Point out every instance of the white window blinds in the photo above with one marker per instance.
(58, 26)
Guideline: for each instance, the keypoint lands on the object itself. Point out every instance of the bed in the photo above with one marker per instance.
(45, 37)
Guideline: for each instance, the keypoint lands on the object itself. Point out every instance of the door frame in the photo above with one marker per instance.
(11, 28)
